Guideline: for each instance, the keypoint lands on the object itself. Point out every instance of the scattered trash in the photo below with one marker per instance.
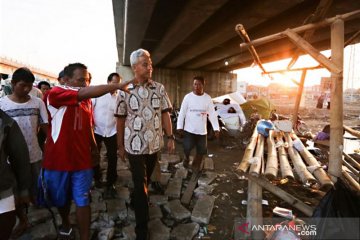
(283, 212)
(264, 202)
(230, 147)
(284, 180)
(240, 191)
(211, 228)
(210, 155)
(242, 177)
(297, 144)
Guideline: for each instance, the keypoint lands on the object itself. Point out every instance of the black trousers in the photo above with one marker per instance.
(111, 154)
(141, 167)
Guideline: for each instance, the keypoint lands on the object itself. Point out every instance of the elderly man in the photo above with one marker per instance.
(142, 114)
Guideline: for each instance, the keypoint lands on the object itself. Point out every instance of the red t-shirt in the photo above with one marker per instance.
(69, 137)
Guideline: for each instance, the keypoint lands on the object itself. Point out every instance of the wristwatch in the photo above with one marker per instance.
(171, 137)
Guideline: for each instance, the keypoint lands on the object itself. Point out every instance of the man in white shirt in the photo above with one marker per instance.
(195, 109)
(105, 130)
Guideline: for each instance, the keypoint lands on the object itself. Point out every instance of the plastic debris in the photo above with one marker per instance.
(284, 180)
(241, 191)
(283, 212)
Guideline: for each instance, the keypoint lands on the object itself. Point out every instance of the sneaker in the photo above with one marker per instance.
(110, 192)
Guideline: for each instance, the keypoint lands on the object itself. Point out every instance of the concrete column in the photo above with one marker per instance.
(336, 107)
(125, 72)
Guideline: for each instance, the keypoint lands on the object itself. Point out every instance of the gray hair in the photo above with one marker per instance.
(134, 56)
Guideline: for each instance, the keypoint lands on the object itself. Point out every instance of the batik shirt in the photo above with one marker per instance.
(142, 107)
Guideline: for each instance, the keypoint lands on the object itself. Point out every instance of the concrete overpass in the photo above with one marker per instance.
(198, 37)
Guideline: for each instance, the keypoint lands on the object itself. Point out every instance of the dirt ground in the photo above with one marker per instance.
(231, 188)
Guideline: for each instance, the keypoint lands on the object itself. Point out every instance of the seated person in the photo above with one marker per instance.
(227, 110)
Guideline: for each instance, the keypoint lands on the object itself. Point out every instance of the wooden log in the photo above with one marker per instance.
(336, 109)
(249, 151)
(352, 161)
(285, 168)
(308, 48)
(351, 181)
(326, 22)
(254, 212)
(258, 156)
(272, 165)
(352, 131)
(297, 203)
(299, 165)
(319, 172)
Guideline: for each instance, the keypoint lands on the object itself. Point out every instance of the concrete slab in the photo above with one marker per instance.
(181, 173)
(158, 199)
(129, 232)
(203, 190)
(185, 231)
(208, 163)
(123, 193)
(155, 212)
(164, 165)
(170, 158)
(158, 231)
(178, 211)
(203, 209)
(207, 178)
(106, 234)
(173, 189)
(164, 178)
(125, 178)
(115, 207)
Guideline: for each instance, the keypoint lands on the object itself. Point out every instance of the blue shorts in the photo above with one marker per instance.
(63, 186)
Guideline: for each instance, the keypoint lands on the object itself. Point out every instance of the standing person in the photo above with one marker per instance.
(105, 130)
(30, 114)
(67, 167)
(14, 171)
(44, 86)
(142, 114)
(195, 109)
(61, 78)
(320, 101)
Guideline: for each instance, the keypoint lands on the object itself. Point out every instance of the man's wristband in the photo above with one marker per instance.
(171, 137)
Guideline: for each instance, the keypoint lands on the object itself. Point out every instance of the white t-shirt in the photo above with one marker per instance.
(193, 114)
(29, 116)
(105, 121)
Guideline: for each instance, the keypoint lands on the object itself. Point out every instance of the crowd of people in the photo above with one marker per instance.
(50, 140)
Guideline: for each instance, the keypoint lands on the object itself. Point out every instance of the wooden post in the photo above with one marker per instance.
(336, 109)
(254, 208)
(255, 167)
(298, 97)
(297, 203)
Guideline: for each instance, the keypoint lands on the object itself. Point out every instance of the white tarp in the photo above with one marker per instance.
(235, 97)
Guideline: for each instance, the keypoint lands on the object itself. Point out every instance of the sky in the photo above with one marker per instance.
(253, 75)
(50, 34)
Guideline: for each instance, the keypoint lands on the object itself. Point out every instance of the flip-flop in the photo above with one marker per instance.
(66, 235)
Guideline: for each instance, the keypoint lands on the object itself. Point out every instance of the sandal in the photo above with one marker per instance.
(66, 235)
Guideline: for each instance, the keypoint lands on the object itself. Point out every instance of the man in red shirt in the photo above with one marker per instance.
(68, 152)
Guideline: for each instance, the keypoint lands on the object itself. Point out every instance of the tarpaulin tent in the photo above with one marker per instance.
(262, 105)
(235, 97)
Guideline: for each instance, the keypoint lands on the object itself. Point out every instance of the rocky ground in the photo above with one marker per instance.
(217, 203)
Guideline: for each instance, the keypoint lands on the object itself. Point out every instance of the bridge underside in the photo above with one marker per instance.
(199, 34)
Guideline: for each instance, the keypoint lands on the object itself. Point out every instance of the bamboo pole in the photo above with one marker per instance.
(308, 48)
(326, 22)
(336, 109)
(352, 161)
(297, 203)
(352, 131)
(298, 97)
(249, 151)
(286, 170)
(272, 165)
(258, 156)
(351, 181)
(299, 165)
(254, 208)
(351, 168)
(319, 172)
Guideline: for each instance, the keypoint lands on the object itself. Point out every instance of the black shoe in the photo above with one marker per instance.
(110, 192)
(157, 188)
